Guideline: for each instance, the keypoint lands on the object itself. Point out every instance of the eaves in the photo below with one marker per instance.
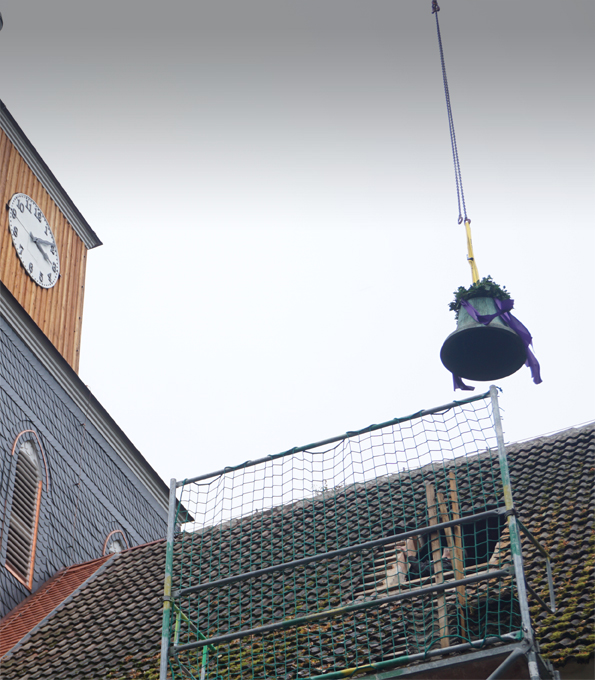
(47, 178)
(80, 394)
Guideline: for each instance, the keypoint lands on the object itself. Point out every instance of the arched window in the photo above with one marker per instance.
(24, 511)
(115, 542)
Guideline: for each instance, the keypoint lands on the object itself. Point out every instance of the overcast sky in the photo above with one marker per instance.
(273, 184)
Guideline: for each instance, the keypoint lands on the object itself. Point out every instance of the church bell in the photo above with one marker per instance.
(479, 352)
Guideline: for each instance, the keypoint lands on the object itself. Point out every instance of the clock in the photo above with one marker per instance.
(33, 240)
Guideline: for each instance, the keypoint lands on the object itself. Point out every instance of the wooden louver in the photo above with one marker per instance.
(23, 519)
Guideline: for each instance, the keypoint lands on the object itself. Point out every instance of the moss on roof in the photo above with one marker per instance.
(112, 628)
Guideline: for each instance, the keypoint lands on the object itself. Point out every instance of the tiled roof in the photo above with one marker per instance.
(32, 611)
(111, 628)
(106, 630)
(553, 482)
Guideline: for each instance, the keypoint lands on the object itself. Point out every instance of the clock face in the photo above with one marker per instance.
(33, 240)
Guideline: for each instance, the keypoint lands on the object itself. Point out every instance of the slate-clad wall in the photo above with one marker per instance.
(91, 490)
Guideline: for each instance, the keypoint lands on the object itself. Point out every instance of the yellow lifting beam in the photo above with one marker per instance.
(470, 257)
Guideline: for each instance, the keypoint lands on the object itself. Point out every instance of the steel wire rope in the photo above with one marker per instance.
(453, 139)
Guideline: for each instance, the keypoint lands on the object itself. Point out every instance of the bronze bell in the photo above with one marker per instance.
(479, 352)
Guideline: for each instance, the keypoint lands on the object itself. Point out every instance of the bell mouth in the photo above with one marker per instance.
(483, 353)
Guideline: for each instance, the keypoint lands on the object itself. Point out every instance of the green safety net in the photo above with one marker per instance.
(365, 605)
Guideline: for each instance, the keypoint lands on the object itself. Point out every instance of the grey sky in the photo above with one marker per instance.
(274, 188)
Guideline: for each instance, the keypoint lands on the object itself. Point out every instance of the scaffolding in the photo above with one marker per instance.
(395, 548)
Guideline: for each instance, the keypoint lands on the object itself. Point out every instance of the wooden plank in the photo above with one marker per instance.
(47, 301)
(66, 302)
(21, 276)
(71, 307)
(45, 295)
(444, 517)
(5, 239)
(5, 149)
(30, 287)
(74, 293)
(4, 174)
(437, 562)
(58, 310)
(4, 156)
(38, 296)
(14, 276)
(59, 331)
(17, 273)
(79, 310)
(52, 316)
(501, 553)
(458, 557)
(12, 261)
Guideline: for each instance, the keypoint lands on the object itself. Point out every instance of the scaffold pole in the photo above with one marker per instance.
(515, 538)
(169, 558)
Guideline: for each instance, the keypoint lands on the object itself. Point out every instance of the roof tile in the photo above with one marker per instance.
(120, 611)
(37, 606)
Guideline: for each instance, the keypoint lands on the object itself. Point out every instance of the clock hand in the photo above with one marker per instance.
(40, 240)
(41, 250)
(37, 241)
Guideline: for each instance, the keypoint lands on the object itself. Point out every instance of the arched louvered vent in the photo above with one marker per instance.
(24, 515)
(115, 542)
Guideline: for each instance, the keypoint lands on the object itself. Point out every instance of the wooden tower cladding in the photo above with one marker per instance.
(58, 311)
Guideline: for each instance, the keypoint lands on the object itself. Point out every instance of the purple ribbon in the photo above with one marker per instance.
(503, 307)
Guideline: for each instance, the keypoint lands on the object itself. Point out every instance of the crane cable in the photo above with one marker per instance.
(455, 155)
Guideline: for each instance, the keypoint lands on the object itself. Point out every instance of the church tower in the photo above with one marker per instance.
(72, 486)
(43, 243)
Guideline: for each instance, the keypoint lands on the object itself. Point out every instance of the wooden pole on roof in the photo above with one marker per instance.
(458, 561)
(457, 564)
(437, 562)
